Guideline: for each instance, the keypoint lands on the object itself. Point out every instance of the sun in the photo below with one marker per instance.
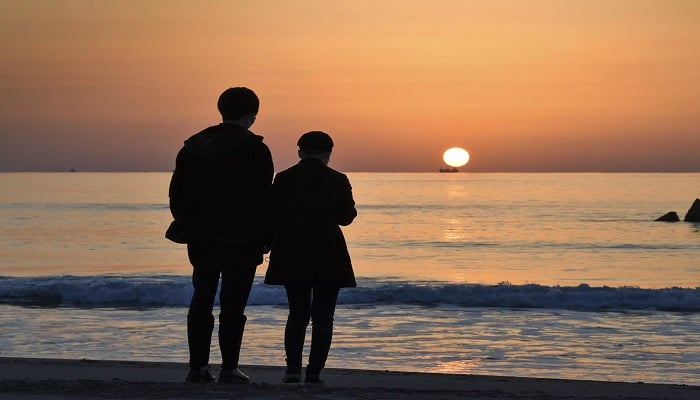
(456, 157)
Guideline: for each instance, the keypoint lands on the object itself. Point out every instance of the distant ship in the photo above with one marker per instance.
(449, 169)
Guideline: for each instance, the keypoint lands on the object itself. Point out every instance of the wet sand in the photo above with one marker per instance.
(56, 379)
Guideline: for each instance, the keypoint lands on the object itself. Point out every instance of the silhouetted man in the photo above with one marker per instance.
(219, 195)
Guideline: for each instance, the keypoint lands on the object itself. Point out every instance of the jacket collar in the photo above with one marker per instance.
(311, 161)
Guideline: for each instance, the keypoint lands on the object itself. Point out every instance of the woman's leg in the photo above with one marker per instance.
(322, 311)
(299, 298)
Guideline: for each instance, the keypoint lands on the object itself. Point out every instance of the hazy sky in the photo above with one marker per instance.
(523, 85)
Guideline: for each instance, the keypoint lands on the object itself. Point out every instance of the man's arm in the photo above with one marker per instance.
(175, 191)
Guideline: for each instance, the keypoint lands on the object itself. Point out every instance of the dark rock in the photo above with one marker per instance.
(693, 214)
(669, 217)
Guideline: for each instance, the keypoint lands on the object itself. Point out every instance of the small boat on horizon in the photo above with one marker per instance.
(449, 169)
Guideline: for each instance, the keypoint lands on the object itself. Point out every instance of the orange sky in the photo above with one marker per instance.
(536, 85)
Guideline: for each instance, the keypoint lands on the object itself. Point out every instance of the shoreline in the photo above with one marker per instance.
(42, 378)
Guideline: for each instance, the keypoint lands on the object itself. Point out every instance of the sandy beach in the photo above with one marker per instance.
(38, 378)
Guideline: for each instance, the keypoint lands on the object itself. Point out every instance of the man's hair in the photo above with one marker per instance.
(236, 102)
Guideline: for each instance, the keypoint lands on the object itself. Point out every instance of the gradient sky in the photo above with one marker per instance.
(523, 85)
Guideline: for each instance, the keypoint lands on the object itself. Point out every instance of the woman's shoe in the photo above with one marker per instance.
(292, 377)
(200, 375)
(233, 376)
(313, 379)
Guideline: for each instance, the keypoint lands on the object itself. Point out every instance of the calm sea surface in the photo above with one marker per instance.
(545, 275)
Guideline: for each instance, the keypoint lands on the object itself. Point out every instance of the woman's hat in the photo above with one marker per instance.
(315, 140)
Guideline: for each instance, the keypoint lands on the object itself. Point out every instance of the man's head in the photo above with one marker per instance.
(315, 144)
(238, 103)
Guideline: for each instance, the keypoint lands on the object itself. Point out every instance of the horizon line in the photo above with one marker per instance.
(390, 172)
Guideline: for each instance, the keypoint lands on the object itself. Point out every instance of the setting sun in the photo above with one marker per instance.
(456, 157)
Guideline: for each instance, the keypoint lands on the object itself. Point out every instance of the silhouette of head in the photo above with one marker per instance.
(315, 144)
(315, 141)
(237, 102)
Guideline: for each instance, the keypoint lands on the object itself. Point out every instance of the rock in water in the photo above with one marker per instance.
(693, 214)
(669, 217)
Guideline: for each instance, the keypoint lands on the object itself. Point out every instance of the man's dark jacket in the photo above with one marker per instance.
(220, 189)
(309, 202)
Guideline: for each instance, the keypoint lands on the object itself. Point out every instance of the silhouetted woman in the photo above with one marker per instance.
(309, 255)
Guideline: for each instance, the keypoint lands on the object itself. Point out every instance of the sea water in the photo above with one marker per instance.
(539, 275)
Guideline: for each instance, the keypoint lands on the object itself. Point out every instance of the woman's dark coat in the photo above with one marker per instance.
(309, 202)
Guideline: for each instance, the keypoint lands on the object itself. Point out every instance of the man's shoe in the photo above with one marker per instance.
(292, 377)
(313, 380)
(233, 376)
(200, 375)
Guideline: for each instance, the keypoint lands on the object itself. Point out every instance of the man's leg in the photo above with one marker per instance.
(200, 321)
(236, 283)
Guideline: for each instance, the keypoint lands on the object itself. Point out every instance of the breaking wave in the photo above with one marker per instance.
(134, 291)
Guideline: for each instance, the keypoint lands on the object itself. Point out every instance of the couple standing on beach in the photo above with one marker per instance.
(230, 213)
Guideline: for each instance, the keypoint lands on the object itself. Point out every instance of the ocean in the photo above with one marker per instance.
(554, 275)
